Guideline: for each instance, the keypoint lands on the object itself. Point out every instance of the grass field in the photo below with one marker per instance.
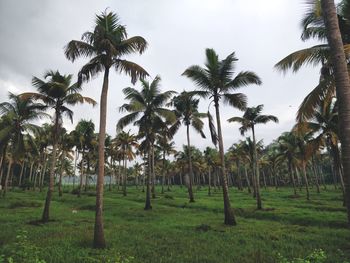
(176, 231)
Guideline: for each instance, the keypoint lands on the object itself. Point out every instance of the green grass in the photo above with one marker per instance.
(178, 231)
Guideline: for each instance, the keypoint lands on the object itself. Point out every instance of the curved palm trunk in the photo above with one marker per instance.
(342, 89)
(148, 183)
(99, 238)
(46, 212)
(229, 214)
(257, 174)
(190, 190)
(247, 179)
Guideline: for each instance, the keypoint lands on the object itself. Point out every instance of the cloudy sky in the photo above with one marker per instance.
(261, 32)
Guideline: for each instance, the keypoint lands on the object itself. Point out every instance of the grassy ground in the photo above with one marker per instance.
(176, 231)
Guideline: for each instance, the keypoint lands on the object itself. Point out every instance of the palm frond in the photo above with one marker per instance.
(236, 100)
(132, 69)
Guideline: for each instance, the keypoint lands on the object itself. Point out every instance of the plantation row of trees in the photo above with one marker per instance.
(307, 156)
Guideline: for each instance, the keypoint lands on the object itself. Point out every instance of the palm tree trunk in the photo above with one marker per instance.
(75, 166)
(163, 172)
(190, 190)
(21, 174)
(148, 183)
(30, 172)
(46, 213)
(7, 177)
(125, 176)
(229, 214)
(209, 181)
(81, 173)
(256, 168)
(342, 84)
(99, 238)
(247, 179)
(306, 180)
(292, 176)
(153, 173)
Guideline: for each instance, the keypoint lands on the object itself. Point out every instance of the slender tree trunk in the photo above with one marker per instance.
(46, 213)
(30, 172)
(21, 174)
(99, 238)
(125, 176)
(81, 173)
(148, 183)
(292, 176)
(306, 180)
(247, 179)
(209, 181)
(7, 177)
(342, 84)
(229, 214)
(153, 173)
(256, 168)
(190, 190)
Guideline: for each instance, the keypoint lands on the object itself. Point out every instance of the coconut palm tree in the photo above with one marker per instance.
(186, 110)
(84, 132)
(216, 82)
(251, 117)
(126, 142)
(106, 46)
(146, 110)
(342, 83)
(17, 117)
(56, 92)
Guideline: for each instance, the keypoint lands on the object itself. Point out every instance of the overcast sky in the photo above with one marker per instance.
(261, 32)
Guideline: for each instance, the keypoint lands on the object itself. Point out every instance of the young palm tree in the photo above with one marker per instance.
(251, 117)
(186, 110)
(17, 117)
(342, 83)
(57, 93)
(107, 45)
(146, 110)
(216, 82)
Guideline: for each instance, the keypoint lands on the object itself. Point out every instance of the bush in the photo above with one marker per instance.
(21, 251)
(317, 256)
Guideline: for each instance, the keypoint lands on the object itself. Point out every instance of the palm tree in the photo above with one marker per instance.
(146, 110)
(186, 110)
(17, 117)
(342, 83)
(126, 142)
(107, 45)
(251, 117)
(216, 82)
(57, 93)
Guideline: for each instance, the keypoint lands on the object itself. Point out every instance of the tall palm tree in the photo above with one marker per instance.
(342, 83)
(17, 117)
(146, 110)
(216, 82)
(186, 110)
(251, 117)
(107, 45)
(57, 92)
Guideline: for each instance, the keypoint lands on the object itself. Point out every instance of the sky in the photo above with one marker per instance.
(260, 32)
